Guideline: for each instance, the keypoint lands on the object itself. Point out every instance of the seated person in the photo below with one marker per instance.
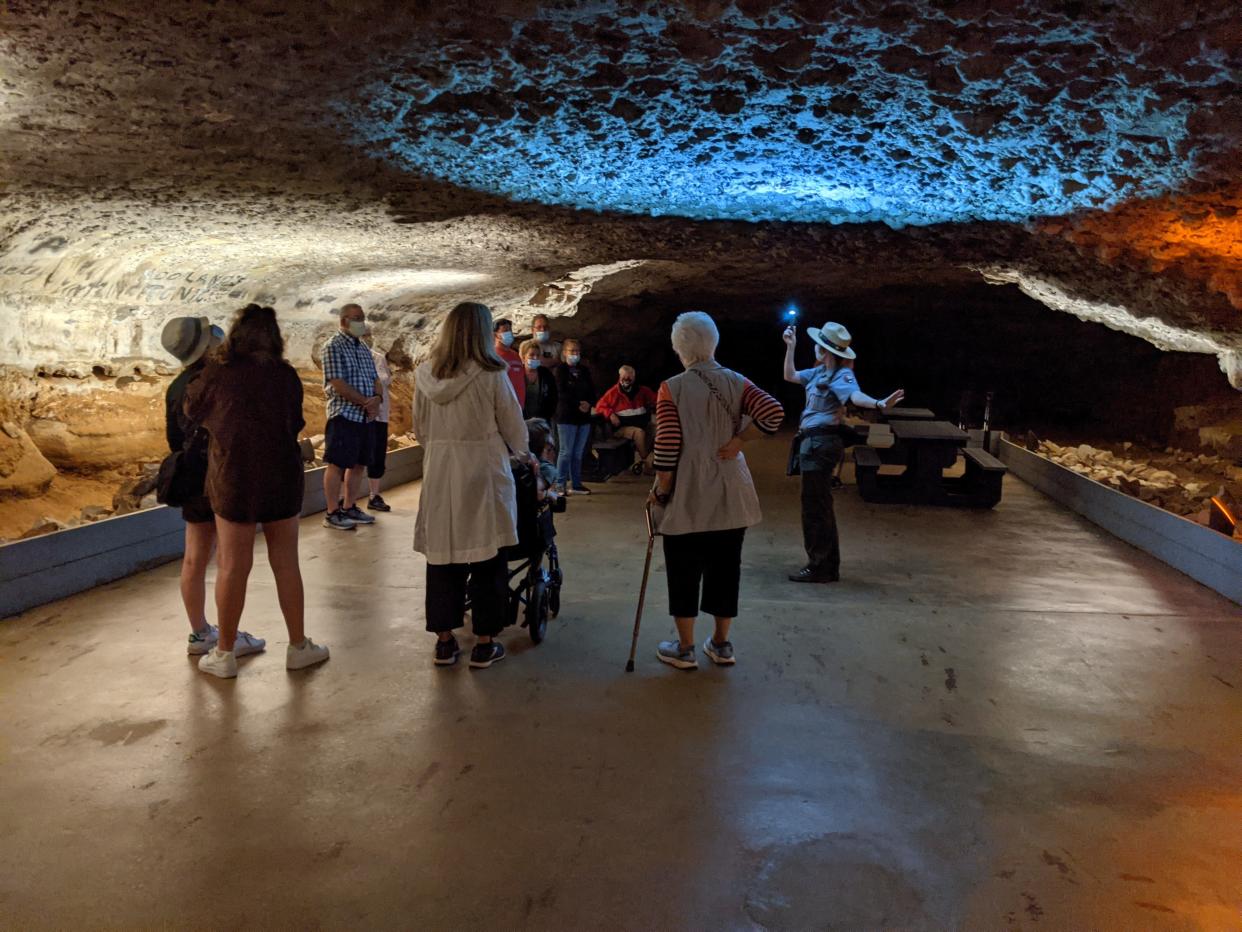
(543, 448)
(628, 407)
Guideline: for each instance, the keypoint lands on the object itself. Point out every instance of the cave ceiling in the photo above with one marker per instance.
(178, 157)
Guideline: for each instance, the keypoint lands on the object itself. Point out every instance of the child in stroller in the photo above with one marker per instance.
(537, 587)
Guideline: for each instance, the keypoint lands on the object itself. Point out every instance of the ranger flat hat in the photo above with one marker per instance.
(188, 338)
(832, 337)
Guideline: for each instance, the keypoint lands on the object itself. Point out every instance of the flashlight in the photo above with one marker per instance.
(790, 317)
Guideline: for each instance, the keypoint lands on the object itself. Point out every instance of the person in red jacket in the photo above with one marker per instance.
(628, 407)
(502, 331)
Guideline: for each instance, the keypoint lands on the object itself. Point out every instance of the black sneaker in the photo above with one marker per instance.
(377, 503)
(808, 575)
(358, 516)
(484, 655)
(337, 520)
(447, 652)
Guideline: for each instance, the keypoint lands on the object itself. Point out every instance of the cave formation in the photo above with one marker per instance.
(1036, 199)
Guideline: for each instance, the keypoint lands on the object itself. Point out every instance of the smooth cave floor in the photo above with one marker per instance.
(997, 720)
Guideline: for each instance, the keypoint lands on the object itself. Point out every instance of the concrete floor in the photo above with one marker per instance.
(999, 720)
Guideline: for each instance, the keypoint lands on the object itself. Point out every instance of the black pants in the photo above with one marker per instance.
(377, 443)
(488, 585)
(712, 558)
(817, 460)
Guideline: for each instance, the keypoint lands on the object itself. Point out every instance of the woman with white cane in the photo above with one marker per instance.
(704, 499)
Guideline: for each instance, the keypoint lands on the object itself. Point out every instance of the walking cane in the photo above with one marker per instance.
(642, 591)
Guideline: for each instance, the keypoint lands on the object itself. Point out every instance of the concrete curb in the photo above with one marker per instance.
(43, 569)
(1199, 552)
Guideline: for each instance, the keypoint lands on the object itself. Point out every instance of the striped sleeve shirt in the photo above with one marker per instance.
(762, 408)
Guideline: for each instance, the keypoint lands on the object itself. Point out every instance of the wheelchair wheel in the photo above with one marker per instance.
(537, 611)
(637, 468)
(554, 599)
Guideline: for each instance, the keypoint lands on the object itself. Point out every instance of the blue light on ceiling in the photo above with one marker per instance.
(639, 113)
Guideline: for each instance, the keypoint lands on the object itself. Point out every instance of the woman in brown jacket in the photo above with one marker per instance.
(250, 401)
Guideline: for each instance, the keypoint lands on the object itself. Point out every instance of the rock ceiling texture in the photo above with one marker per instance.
(188, 157)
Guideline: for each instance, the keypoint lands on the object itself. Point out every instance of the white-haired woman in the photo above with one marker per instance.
(704, 498)
(467, 418)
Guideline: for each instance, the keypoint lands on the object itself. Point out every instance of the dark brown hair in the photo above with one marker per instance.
(539, 434)
(253, 335)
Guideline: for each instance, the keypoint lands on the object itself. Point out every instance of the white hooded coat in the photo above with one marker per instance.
(467, 426)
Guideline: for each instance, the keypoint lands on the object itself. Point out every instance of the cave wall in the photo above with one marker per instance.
(610, 164)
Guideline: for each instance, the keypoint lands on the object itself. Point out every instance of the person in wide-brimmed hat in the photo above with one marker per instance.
(818, 446)
(188, 339)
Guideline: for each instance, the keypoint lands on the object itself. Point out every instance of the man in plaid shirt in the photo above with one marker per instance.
(354, 393)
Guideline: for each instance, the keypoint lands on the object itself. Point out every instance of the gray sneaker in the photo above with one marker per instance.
(337, 519)
(358, 516)
(670, 652)
(721, 654)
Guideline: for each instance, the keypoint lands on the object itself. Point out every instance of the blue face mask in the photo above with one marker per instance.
(532, 363)
(507, 338)
(573, 360)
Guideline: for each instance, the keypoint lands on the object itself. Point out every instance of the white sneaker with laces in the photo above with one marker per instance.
(219, 663)
(202, 641)
(309, 654)
(246, 643)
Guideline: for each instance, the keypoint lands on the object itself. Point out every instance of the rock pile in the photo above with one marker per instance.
(1174, 480)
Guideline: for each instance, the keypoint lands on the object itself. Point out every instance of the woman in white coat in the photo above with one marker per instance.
(468, 421)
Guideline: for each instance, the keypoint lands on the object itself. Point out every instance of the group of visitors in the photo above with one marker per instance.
(474, 417)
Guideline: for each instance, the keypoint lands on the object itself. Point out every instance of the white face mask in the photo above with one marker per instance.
(573, 360)
(532, 363)
(543, 336)
(820, 353)
(357, 328)
(507, 338)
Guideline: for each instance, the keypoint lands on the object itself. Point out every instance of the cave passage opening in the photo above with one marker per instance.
(947, 346)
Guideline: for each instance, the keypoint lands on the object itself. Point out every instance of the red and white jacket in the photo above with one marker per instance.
(635, 410)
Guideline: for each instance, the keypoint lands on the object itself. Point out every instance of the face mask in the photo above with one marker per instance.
(543, 336)
(820, 353)
(532, 363)
(573, 360)
(507, 338)
(627, 387)
(357, 328)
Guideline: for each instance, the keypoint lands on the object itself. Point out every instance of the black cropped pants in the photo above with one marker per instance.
(711, 560)
(488, 585)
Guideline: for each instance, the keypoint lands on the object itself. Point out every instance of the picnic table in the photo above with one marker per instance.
(928, 448)
(909, 414)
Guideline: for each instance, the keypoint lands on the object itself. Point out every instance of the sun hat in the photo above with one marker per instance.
(832, 337)
(188, 338)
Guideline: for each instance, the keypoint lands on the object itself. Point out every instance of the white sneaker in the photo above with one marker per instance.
(245, 644)
(219, 663)
(202, 641)
(309, 654)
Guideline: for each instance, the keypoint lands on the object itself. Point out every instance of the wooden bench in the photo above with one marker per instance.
(866, 471)
(984, 476)
(607, 458)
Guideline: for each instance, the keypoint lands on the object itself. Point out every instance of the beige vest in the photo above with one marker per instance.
(709, 494)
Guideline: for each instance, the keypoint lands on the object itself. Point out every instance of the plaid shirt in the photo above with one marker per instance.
(348, 358)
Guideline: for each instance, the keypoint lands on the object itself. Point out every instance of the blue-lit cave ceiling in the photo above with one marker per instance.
(902, 113)
(193, 155)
